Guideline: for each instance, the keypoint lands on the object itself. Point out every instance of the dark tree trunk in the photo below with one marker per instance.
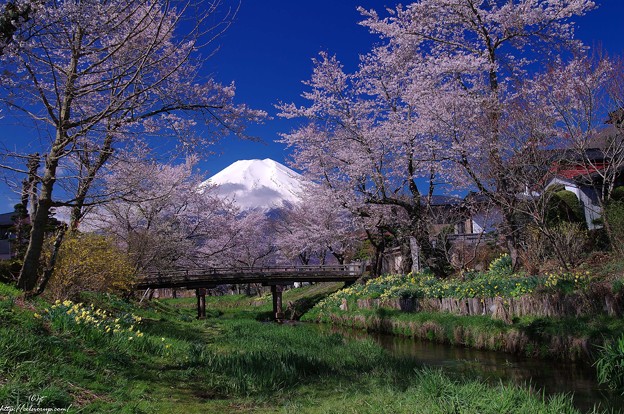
(47, 273)
(29, 275)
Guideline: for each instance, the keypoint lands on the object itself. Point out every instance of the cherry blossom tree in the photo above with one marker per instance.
(431, 105)
(97, 76)
(254, 242)
(464, 58)
(364, 141)
(163, 218)
(316, 227)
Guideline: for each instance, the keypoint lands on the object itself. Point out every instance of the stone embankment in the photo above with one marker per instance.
(558, 305)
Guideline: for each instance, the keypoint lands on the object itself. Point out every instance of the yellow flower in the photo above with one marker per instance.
(130, 338)
(36, 315)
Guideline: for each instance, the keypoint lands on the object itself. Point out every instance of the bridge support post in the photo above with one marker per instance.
(276, 291)
(201, 303)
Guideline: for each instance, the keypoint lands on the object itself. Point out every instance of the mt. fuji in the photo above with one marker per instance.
(258, 184)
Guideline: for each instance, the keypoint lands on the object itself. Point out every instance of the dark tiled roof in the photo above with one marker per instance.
(6, 219)
(443, 200)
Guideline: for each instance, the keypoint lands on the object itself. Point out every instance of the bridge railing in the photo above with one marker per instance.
(270, 274)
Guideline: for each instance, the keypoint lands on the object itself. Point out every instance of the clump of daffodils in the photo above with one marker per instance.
(67, 314)
(573, 280)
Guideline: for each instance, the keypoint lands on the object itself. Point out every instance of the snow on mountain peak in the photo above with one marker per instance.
(258, 184)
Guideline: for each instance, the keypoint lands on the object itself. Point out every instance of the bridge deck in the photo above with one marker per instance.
(274, 275)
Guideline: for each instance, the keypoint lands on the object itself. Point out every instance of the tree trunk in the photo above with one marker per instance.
(406, 255)
(29, 274)
(510, 231)
(47, 273)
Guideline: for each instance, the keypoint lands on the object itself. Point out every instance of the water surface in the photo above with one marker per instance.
(548, 376)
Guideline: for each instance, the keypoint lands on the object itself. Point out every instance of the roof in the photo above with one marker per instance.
(575, 171)
(444, 200)
(6, 219)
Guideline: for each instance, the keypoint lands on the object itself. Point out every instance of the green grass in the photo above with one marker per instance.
(228, 363)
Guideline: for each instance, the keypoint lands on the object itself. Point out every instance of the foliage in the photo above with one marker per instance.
(475, 285)
(501, 266)
(564, 206)
(9, 270)
(610, 364)
(614, 214)
(90, 262)
(569, 240)
(618, 193)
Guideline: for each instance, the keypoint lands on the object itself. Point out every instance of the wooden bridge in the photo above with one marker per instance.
(274, 276)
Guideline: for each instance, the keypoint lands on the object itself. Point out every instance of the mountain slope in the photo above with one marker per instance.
(258, 184)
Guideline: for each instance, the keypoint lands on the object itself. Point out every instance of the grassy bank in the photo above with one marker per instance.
(114, 357)
(565, 315)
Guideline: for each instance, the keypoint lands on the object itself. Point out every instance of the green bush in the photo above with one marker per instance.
(618, 193)
(9, 270)
(564, 206)
(614, 214)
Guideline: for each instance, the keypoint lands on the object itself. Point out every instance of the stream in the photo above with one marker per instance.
(549, 376)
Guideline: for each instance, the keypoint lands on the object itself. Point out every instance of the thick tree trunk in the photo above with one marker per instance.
(29, 275)
(406, 254)
(47, 273)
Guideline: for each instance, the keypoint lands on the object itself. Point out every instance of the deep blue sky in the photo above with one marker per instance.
(267, 52)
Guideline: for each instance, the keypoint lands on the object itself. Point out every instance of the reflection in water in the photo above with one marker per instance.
(550, 376)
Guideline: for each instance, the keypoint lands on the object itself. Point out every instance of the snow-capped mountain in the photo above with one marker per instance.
(258, 184)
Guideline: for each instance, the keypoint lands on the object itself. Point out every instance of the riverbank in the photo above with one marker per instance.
(564, 315)
(106, 355)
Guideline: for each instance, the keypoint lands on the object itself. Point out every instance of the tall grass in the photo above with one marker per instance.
(610, 364)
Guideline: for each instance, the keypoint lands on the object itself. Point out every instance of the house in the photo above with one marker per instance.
(453, 221)
(583, 171)
(6, 224)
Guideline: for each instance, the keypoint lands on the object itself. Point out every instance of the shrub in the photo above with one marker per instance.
(618, 193)
(564, 206)
(570, 241)
(9, 270)
(610, 365)
(89, 262)
(614, 215)
(534, 249)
